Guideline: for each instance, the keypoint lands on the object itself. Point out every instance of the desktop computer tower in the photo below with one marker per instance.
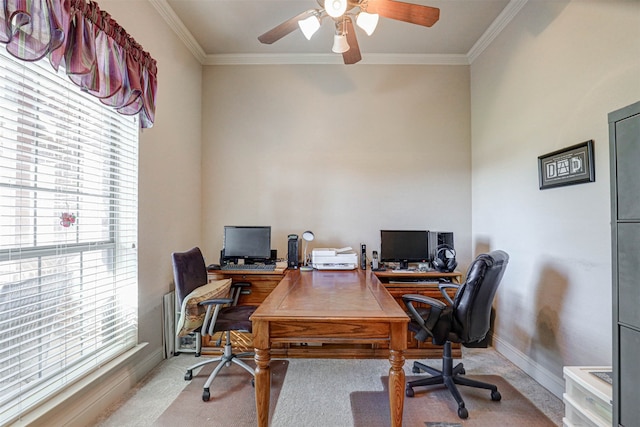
(437, 238)
(293, 256)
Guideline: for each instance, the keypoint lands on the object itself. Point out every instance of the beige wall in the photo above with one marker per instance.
(342, 151)
(169, 178)
(547, 82)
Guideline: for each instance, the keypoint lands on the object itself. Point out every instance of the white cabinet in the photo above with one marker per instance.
(587, 397)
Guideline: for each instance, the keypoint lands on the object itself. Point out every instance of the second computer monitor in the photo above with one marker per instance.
(404, 246)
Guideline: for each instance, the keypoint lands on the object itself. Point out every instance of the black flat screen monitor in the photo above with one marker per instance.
(247, 242)
(404, 246)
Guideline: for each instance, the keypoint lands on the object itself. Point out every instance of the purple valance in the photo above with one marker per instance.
(98, 54)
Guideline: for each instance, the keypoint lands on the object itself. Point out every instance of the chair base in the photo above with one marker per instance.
(450, 376)
(226, 359)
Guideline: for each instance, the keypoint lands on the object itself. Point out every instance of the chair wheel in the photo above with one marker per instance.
(496, 396)
(409, 392)
(253, 382)
(205, 395)
(462, 371)
(188, 376)
(463, 413)
(415, 370)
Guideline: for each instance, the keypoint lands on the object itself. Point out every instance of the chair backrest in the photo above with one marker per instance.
(472, 303)
(189, 272)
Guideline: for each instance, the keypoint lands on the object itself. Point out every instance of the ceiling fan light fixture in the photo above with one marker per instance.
(340, 44)
(335, 8)
(309, 26)
(367, 21)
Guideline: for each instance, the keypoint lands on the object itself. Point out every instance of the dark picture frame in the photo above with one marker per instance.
(568, 166)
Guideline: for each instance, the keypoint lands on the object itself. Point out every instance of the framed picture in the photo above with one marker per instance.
(571, 165)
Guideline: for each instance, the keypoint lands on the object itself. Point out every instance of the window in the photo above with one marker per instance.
(68, 230)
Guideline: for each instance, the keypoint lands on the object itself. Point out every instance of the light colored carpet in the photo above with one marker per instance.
(434, 406)
(232, 398)
(316, 392)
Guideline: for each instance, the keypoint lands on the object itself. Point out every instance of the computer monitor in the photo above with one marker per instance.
(404, 246)
(251, 243)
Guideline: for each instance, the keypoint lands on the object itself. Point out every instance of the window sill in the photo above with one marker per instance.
(85, 399)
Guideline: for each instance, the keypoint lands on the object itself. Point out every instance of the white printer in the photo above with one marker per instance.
(334, 259)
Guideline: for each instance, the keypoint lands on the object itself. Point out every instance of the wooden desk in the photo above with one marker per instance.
(426, 285)
(262, 282)
(330, 306)
(389, 275)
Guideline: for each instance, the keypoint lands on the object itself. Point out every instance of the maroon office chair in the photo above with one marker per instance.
(223, 315)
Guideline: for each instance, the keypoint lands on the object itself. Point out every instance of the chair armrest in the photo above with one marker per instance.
(422, 299)
(240, 285)
(216, 301)
(443, 286)
(237, 290)
(427, 324)
(210, 318)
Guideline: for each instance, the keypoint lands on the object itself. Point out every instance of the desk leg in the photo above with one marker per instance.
(396, 372)
(396, 387)
(263, 372)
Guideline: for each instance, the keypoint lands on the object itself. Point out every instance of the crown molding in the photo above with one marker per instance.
(335, 59)
(194, 47)
(496, 27)
(179, 28)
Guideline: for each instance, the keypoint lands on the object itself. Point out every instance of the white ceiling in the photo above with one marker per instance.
(226, 31)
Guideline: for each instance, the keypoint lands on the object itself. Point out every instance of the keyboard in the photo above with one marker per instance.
(262, 267)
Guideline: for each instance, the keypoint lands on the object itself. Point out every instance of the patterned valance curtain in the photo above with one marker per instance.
(97, 54)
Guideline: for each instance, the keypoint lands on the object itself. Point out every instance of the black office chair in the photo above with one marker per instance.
(222, 314)
(464, 320)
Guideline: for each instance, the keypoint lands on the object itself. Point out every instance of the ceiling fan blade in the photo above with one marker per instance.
(407, 12)
(353, 54)
(288, 26)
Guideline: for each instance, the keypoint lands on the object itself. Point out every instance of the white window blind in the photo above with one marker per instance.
(68, 230)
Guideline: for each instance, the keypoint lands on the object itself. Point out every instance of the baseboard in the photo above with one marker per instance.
(543, 376)
(82, 403)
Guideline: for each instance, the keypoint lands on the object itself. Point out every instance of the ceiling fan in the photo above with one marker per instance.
(344, 13)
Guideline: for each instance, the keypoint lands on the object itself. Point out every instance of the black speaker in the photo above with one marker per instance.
(292, 252)
(363, 256)
(437, 238)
